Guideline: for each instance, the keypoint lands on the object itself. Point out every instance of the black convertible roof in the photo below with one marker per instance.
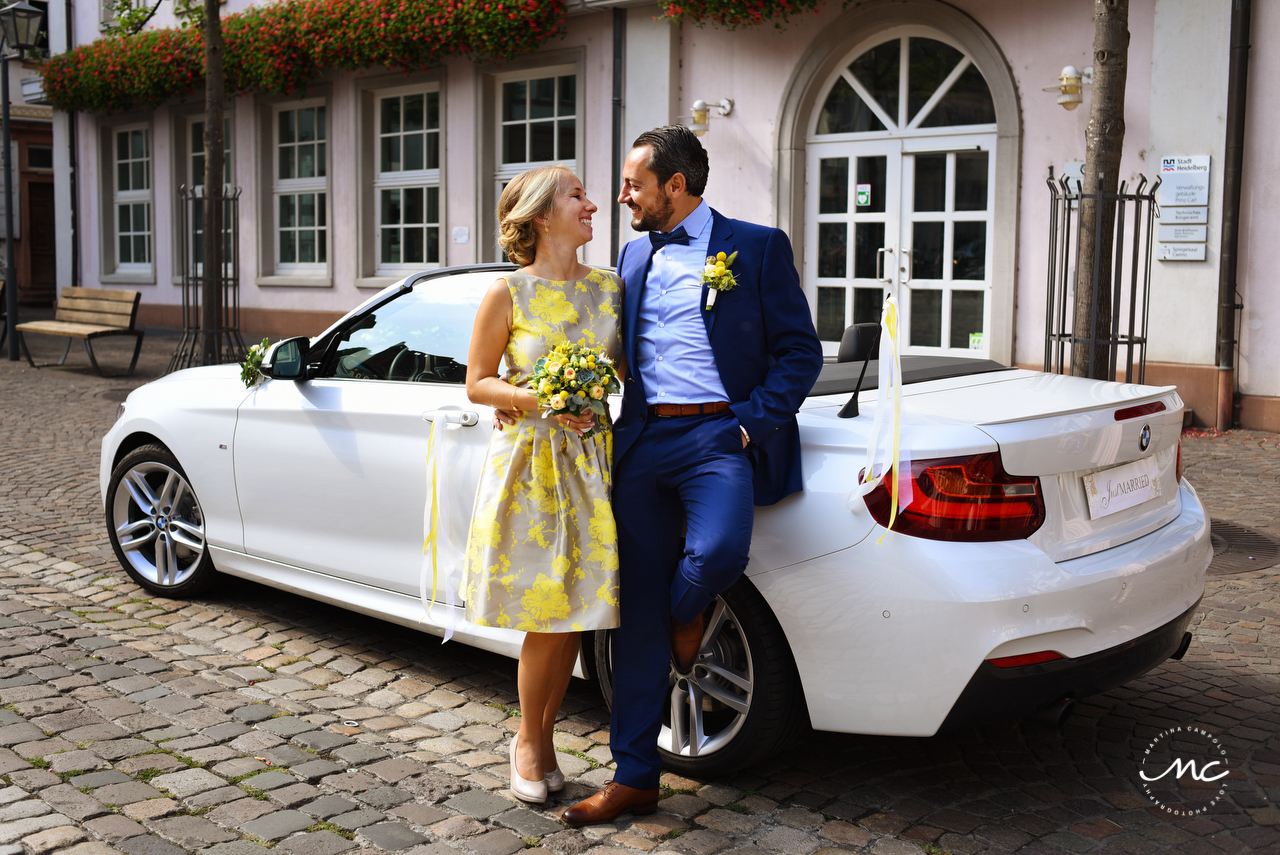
(842, 377)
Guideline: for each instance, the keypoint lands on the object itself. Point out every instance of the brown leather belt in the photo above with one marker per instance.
(668, 410)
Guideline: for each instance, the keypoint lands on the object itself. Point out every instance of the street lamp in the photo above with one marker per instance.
(20, 23)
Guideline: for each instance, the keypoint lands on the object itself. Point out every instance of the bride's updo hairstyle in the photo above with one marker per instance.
(530, 195)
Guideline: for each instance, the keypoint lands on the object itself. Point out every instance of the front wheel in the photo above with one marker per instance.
(742, 700)
(156, 525)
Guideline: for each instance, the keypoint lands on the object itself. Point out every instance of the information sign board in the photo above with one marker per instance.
(1178, 233)
(1199, 214)
(1180, 252)
(1184, 180)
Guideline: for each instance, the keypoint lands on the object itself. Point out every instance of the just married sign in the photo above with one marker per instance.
(1113, 490)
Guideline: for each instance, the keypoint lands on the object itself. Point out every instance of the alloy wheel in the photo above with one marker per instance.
(159, 526)
(709, 704)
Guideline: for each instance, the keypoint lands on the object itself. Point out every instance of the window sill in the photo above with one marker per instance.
(294, 281)
(128, 278)
(378, 282)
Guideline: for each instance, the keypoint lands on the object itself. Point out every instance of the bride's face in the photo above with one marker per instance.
(570, 219)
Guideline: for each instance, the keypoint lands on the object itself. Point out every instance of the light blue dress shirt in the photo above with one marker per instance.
(675, 360)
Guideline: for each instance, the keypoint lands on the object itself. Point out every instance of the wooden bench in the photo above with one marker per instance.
(89, 313)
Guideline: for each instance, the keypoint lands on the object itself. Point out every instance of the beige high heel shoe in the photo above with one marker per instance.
(533, 792)
(554, 779)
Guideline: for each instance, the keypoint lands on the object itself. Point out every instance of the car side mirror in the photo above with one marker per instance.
(287, 360)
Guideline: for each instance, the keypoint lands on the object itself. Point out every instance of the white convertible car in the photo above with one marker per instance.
(1051, 549)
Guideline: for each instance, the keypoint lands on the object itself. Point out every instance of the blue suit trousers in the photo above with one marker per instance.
(683, 501)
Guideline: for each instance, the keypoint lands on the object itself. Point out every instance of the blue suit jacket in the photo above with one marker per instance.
(765, 347)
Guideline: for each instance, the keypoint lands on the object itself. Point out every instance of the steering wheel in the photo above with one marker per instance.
(404, 366)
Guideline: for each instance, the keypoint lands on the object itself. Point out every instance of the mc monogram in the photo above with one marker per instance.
(1191, 753)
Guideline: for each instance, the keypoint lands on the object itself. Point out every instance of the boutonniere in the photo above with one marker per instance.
(717, 276)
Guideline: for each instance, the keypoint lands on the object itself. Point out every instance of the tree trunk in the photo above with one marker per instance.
(1104, 140)
(211, 320)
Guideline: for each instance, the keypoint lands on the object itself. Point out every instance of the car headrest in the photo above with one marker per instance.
(859, 342)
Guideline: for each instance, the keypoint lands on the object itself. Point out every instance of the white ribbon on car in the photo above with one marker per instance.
(886, 454)
(441, 553)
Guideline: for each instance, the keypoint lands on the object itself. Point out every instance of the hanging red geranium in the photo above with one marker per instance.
(283, 47)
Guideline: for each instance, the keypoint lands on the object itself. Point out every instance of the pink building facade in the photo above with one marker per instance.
(902, 145)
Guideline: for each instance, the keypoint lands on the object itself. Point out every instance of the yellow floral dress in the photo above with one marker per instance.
(542, 554)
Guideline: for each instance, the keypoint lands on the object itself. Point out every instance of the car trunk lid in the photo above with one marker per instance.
(1063, 429)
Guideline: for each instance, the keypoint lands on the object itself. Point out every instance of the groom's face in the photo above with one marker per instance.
(651, 208)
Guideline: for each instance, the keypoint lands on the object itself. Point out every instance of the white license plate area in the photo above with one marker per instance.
(1113, 490)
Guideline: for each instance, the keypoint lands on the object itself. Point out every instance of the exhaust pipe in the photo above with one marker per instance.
(1182, 646)
(1055, 714)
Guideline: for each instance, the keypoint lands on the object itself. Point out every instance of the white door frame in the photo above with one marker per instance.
(864, 26)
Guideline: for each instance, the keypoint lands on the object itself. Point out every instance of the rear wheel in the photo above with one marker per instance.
(742, 700)
(156, 524)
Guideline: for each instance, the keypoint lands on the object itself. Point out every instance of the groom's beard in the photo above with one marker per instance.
(652, 221)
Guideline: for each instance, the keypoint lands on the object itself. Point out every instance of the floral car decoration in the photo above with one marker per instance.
(249, 367)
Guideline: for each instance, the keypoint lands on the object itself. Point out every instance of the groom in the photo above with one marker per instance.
(707, 431)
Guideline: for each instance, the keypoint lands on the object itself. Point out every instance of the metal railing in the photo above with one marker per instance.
(1127, 284)
(191, 228)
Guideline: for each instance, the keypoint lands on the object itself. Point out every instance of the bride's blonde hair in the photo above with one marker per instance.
(530, 195)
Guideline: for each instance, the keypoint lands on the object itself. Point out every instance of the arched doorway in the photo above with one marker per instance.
(906, 150)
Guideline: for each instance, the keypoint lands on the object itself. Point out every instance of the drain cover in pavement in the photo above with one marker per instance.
(1237, 549)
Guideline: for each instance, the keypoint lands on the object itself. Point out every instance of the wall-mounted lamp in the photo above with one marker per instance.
(1071, 85)
(701, 113)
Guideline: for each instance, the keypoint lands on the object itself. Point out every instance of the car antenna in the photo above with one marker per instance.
(859, 338)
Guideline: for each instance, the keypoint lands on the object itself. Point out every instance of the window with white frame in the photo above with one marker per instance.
(131, 199)
(407, 180)
(301, 185)
(195, 151)
(195, 178)
(537, 120)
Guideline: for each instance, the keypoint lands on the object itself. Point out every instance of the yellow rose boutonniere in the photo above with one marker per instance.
(717, 276)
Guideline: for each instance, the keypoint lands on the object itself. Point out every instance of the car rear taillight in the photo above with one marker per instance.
(964, 499)
(1140, 410)
(1025, 659)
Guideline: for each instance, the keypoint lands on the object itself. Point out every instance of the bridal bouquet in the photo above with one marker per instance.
(574, 378)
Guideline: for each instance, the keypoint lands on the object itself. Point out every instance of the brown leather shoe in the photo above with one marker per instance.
(686, 641)
(605, 806)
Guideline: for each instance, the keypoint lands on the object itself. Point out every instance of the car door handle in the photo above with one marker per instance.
(466, 418)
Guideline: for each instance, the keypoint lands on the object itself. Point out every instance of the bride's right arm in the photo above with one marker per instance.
(488, 343)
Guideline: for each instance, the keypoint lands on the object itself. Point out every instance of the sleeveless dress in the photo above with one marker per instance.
(542, 553)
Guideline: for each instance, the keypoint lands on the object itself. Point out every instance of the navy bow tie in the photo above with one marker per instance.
(661, 239)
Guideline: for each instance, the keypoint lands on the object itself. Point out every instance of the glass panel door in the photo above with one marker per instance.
(946, 237)
(852, 240)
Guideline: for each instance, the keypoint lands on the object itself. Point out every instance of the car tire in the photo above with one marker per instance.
(743, 694)
(156, 524)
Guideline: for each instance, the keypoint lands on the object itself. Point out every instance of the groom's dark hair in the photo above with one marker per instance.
(672, 149)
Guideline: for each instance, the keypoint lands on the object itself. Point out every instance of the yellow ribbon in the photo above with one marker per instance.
(889, 392)
(432, 524)
(432, 538)
(890, 323)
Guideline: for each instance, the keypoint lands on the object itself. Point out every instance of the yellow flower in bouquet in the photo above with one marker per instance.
(574, 378)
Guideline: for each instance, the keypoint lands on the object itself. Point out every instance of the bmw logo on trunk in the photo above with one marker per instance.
(1145, 439)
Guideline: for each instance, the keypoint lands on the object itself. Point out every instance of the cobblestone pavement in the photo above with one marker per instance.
(255, 719)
